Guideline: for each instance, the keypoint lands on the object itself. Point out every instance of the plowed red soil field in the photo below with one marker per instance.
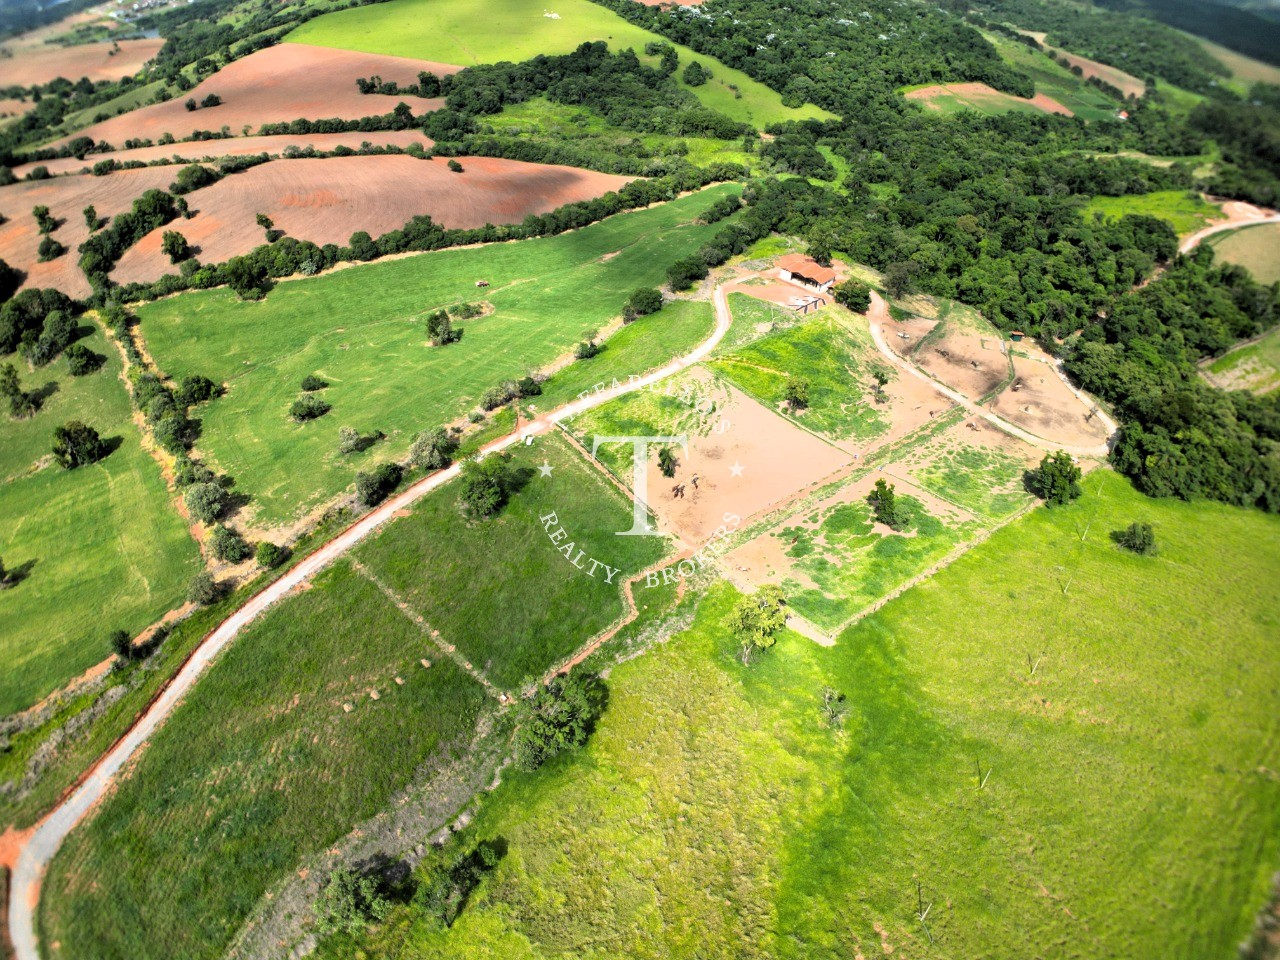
(93, 60)
(289, 81)
(326, 200)
(980, 97)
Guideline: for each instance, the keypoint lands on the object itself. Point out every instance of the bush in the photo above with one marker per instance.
(311, 383)
(348, 903)
(455, 166)
(50, 249)
(121, 644)
(308, 408)
(81, 360)
(586, 350)
(203, 589)
(528, 387)
(854, 294)
(76, 444)
(196, 389)
(433, 450)
(270, 555)
(1057, 480)
(229, 546)
(373, 488)
(187, 471)
(495, 397)
(559, 717)
(1138, 537)
(646, 300)
(174, 432)
(205, 501)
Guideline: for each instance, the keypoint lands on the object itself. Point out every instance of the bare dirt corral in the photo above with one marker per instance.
(904, 336)
(326, 200)
(66, 198)
(968, 362)
(759, 460)
(212, 150)
(1038, 401)
(289, 81)
(96, 61)
(981, 97)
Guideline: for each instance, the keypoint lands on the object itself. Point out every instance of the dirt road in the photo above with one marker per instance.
(1239, 214)
(39, 849)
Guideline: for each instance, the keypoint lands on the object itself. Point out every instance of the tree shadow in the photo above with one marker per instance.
(41, 394)
(516, 479)
(394, 875)
(15, 575)
(1031, 482)
(109, 446)
(368, 440)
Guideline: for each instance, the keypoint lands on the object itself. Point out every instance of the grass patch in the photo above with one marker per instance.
(468, 32)
(715, 813)
(1256, 248)
(373, 350)
(1186, 212)
(259, 767)
(500, 590)
(1051, 78)
(986, 482)
(1255, 366)
(837, 362)
(101, 547)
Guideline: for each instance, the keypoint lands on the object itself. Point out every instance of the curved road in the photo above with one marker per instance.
(1240, 215)
(24, 888)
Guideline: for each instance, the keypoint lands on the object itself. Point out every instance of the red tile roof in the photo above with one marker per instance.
(807, 267)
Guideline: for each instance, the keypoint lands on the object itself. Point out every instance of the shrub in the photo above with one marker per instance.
(270, 555)
(1138, 537)
(81, 360)
(854, 294)
(586, 350)
(311, 383)
(528, 387)
(433, 450)
(203, 589)
(50, 249)
(308, 408)
(205, 501)
(76, 444)
(229, 546)
(348, 903)
(455, 166)
(495, 397)
(196, 389)
(372, 488)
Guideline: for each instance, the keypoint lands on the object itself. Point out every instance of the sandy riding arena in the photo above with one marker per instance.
(980, 97)
(327, 200)
(289, 81)
(97, 61)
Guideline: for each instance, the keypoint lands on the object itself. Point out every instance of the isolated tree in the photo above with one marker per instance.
(311, 383)
(433, 450)
(558, 717)
(264, 221)
(205, 501)
(885, 505)
(81, 360)
(1057, 480)
(667, 462)
(756, 620)
(440, 329)
(695, 74)
(44, 221)
(212, 100)
(49, 249)
(646, 300)
(308, 407)
(203, 589)
(854, 294)
(374, 487)
(229, 546)
(796, 393)
(76, 444)
(348, 903)
(91, 217)
(271, 555)
(485, 485)
(190, 104)
(195, 389)
(348, 440)
(121, 644)
(1138, 537)
(174, 246)
(455, 166)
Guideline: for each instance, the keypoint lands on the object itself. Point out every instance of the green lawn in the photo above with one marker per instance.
(101, 547)
(836, 360)
(258, 768)
(1186, 212)
(1130, 807)
(500, 590)
(468, 32)
(1253, 367)
(1257, 249)
(373, 349)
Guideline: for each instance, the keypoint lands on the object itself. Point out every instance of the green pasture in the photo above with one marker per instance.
(1256, 248)
(835, 359)
(468, 32)
(1186, 212)
(373, 351)
(985, 482)
(500, 590)
(99, 548)
(1052, 79)
(1125, 735)
(259, 768)
(1254, 366)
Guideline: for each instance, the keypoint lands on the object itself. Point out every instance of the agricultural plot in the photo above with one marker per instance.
(97, 61)
(1185, 212)
(1054, 80)
(1255, 366)
(277, 84)
(98, 548)
(373, 351)
(739, 821)
(327, 200)
(503, 591)
(261, 766)
(489, 31)
(1256, 248)
(949, 98)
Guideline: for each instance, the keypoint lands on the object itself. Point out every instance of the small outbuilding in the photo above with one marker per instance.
(1016, 336)
(807, 271)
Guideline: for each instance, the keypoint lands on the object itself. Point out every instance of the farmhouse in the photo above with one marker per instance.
(807, 271)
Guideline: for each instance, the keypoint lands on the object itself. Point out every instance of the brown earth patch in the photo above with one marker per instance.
(277, 84)
(326, 200)
(904, 336)
(968, 362)
(1045, 406)
(210, 151)
(979, 96)
(33, 65)
(1126, 83)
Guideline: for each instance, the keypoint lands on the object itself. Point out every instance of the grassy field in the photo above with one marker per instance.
(258, 768)
(100, 547)
(1257, 249)
(468, 32)
(373, 350)
(1255, 366)
(837, 362)
(715, 813)
(1186, 212)
(501, 591)
(1245, 71)
(1051, 78)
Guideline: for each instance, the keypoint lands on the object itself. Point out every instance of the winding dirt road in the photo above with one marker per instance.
(40, 847)
(1239, 214)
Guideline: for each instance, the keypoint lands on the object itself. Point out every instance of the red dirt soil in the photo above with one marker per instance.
(964, 361)
(212, 150)
(1045, 406)
(326, 200)
(975, 94)
(1126, 83)
(286, 82)
(66, 198)
(28, 67)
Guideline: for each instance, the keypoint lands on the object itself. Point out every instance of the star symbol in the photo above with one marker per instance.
(736, 469)
(545, 469)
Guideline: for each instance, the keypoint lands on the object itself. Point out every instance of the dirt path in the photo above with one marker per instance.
(879, 313)
(39, 848)
(1239, 214)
